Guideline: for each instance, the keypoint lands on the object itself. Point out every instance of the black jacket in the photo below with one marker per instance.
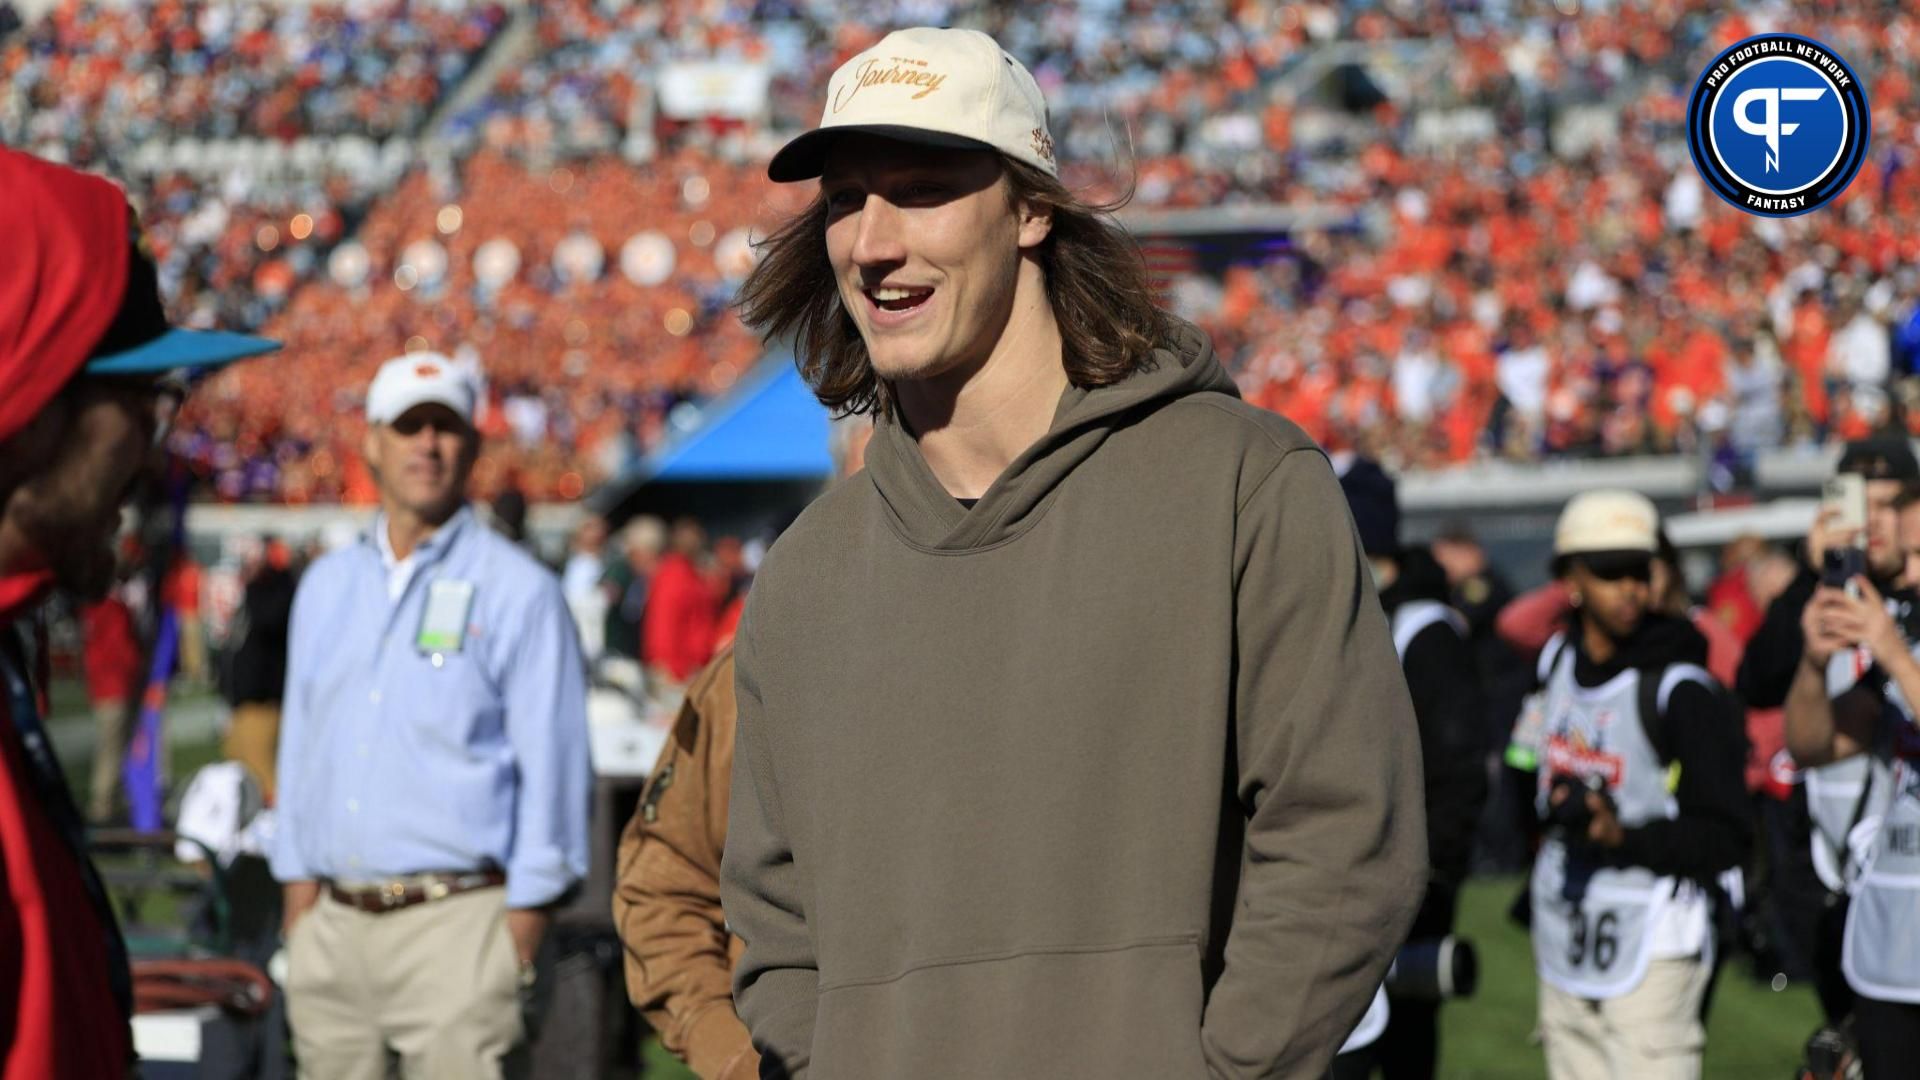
(1766, 670)
(257, 669)
(1448, 703)
(1703, 731)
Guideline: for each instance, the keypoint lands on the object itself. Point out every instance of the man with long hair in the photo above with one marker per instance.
(1072, 741)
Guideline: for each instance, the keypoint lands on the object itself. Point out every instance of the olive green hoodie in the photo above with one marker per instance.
(1112, 775)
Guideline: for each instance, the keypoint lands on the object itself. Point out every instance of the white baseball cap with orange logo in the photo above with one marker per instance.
(953, 88)
(419, 379)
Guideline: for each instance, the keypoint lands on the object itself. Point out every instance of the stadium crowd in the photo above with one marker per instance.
(627, 353)
(1531, 293)
(93, 80)
(1561, 287)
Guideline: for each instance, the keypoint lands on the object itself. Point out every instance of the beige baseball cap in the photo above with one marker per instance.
(1607, 521)
(416, 379)
(953, 88)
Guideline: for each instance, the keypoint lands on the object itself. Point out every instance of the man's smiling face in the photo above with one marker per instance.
(925, 246)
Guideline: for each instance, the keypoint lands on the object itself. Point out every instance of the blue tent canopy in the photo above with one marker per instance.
(769, 428)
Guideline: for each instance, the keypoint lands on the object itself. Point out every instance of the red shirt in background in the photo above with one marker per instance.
(112, 651)
(677, 631)
(181, 589)
(1730, 599)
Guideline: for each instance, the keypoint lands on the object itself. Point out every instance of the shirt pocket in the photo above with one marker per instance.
(452, 703)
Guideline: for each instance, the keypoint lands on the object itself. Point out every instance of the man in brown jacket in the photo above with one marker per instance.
(666, 900)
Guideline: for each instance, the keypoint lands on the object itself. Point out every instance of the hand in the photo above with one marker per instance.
(296, 899)
(527, 926)
(1865, 619)
(1824, 536)
(1603, 824)
(1819, 624)
(1605, 829)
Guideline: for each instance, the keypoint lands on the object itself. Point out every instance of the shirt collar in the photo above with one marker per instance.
(429, 550)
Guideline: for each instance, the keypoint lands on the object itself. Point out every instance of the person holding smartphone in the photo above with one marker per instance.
(1851, 708)
(1885, 464)
(1806, 885)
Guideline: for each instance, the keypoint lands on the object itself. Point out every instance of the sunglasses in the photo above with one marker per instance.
(414, 421)
(1621, 568)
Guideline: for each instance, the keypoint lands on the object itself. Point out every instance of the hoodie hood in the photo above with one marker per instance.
(926, 516)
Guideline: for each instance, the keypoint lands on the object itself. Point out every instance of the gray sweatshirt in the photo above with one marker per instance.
(1113, 774)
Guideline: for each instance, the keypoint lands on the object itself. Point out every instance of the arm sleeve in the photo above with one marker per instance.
(666, 898)
(1705, 737)
(777, 982)
(286, 859)
(1773, 653)
(1327, 759)
(1448, 704)
(546, 699)
(1529, 621)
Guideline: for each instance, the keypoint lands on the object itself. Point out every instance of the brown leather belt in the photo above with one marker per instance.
(404, 892)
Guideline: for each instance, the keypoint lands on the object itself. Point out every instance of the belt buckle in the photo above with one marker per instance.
(393, 894)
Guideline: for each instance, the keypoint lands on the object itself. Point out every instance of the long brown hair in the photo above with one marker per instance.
(1097, 284)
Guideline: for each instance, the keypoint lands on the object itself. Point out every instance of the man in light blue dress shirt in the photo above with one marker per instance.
(434, 773)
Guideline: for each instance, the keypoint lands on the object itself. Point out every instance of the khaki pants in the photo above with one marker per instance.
(112, 724)
(436, 983)
(1650, 1033)
(253, 738)
(193, 648)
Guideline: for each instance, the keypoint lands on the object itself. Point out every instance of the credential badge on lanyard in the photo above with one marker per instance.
(443, 621)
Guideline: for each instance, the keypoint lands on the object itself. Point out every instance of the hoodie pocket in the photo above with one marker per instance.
(1106, 1011)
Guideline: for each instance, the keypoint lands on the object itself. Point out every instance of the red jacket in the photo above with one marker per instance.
(677, 631)
(112, 651)
(64, 987)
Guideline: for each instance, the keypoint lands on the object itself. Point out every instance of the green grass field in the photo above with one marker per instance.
(1752, 1031)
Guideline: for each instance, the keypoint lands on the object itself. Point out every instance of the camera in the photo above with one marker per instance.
(1831, 1054)
(1839, 566)
(1572, 816)
(1434, 969)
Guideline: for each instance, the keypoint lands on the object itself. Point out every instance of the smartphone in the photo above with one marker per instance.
(1843, 501)
(1841, 566)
